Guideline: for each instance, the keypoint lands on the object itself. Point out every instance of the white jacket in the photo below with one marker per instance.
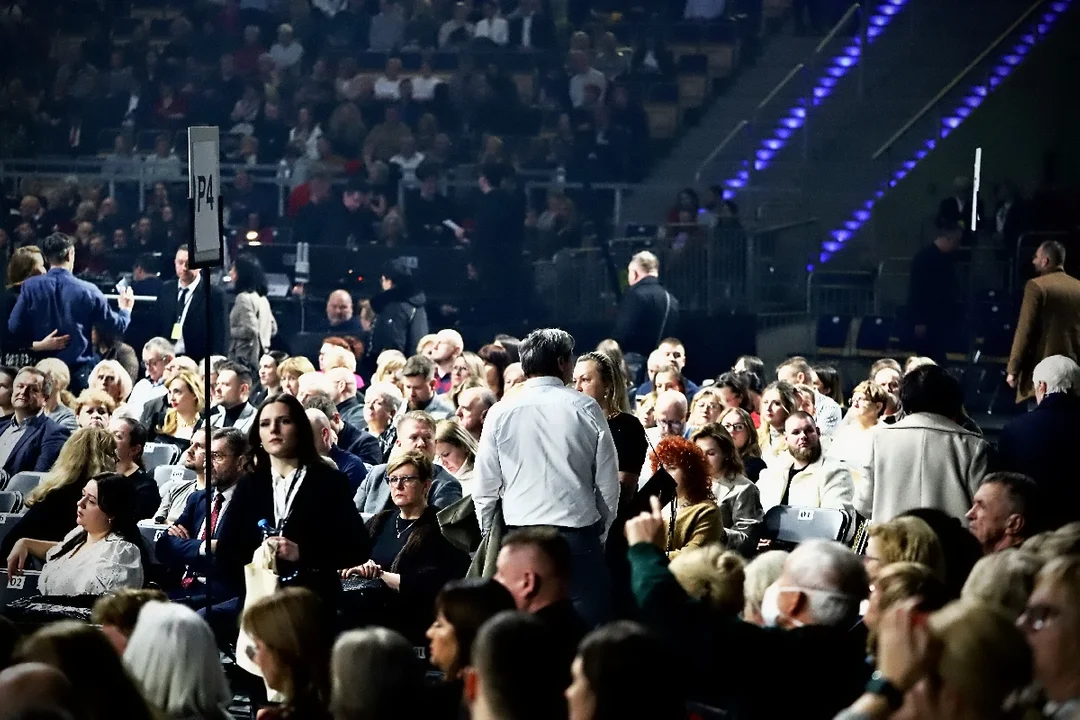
(923, 461)
(822, 484)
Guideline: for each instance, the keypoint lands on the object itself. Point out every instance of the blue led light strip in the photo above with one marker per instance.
(1006, 64)
(840, 66)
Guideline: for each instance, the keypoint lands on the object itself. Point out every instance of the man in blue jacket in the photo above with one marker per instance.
(29, 440)
(58, 301)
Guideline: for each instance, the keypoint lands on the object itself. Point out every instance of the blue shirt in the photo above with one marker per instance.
(59, 301)
(352, 466)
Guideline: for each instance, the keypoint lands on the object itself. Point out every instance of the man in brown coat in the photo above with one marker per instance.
(1049, 321)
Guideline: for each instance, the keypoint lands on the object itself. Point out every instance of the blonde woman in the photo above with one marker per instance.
(110, 377)
(903, 539)
(93, 408)
(706, 407)
(455, 450)
(289, 372)
(58, 404)
(388, 368)
(467, 365)
(714, 576)
(186, 400)
(777, 402)
(88, 452)
(854, 439)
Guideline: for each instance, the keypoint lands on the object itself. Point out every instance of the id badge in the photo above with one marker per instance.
(176, 331)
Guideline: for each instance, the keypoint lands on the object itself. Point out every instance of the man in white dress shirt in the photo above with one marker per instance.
(548, 454)
(156, 354)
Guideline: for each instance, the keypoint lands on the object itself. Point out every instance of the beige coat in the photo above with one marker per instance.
(822, 484)
(923, 461)
(1049, 324)
(251, 326)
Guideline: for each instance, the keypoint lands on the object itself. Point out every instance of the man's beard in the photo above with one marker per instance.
(808, 454)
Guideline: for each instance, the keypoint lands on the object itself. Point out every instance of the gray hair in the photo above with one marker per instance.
(483, 393)
(835, 573)
(1061, 374)
(388, 666)
(389, 393)
(542, 349)
(174, 658)
(160, 346)
(761, 572)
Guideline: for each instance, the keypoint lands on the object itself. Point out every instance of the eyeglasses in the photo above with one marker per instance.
(400, 480)
(1036, 617)
(735, 427)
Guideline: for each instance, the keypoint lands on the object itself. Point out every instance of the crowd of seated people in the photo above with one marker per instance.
(378, 496)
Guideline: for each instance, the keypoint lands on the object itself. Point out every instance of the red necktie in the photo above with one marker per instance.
(189, 578)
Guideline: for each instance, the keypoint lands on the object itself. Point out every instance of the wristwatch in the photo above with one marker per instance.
(881, 685)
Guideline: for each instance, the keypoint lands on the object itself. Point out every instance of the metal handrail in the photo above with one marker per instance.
(743, 124)
(956, 80)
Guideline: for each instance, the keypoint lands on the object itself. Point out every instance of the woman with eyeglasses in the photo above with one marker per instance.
(706, 407)
(1051, 624)
(854, 439)
(409, 553)
(740, 426)
(102, 553)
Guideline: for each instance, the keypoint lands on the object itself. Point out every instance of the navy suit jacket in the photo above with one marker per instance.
(38, 447)
(1039, 445)
(58, 300)
(360, 443)
(236, 543)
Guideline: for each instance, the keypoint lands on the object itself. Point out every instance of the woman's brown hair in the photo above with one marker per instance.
(22, 263)
(290, 624)
(733, 464)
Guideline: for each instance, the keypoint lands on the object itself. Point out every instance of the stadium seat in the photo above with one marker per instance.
(165, 474)
(872, 339)
(20, 586)
(832, 335)
(7, 521)
(10, 501)
(787, 526)
(150, 534)
(24, 482)
(693, 80)
(158, 454)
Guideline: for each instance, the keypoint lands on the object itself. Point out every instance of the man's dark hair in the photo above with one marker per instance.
(278, 355)
(137, 434)
(234, 438)
(622, 655)
(549, 542)
(542, 349)
(146, 262)
(753, 364)
(55, 248)
(419, 366)
(522, 667)
(1023, 495)
(320, 400)
(800, 415)
(929, 389)
(243, 372)
(1054, 252)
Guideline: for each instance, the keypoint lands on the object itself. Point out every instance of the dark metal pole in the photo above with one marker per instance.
(207, 390)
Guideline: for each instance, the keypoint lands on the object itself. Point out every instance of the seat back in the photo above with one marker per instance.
(151, 532)
(787, 526)
(165, 474)
(10, 501)
(7, 521)
(24, 482)
(157, 454)
(19, 586)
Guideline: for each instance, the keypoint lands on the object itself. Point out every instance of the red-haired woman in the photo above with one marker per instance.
(697, 519)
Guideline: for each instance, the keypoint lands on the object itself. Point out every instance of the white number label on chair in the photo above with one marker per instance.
(17, 582)
(3, 519)
(177, 474)
(806, 515)
(158, 534)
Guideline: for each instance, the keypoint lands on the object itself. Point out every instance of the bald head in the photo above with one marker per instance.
(339, 307)
(324, 433)
(670, 412)
(342, 383)
(313, 382)
(448, 345)
(34, 686)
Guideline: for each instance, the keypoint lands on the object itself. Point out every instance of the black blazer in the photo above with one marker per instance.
(360, 443)
(1038, 444)
(641, 324)
(324, 523)
(198, 342)
(39, 446)
(541, 35)
(426, 563)
(236, 544)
